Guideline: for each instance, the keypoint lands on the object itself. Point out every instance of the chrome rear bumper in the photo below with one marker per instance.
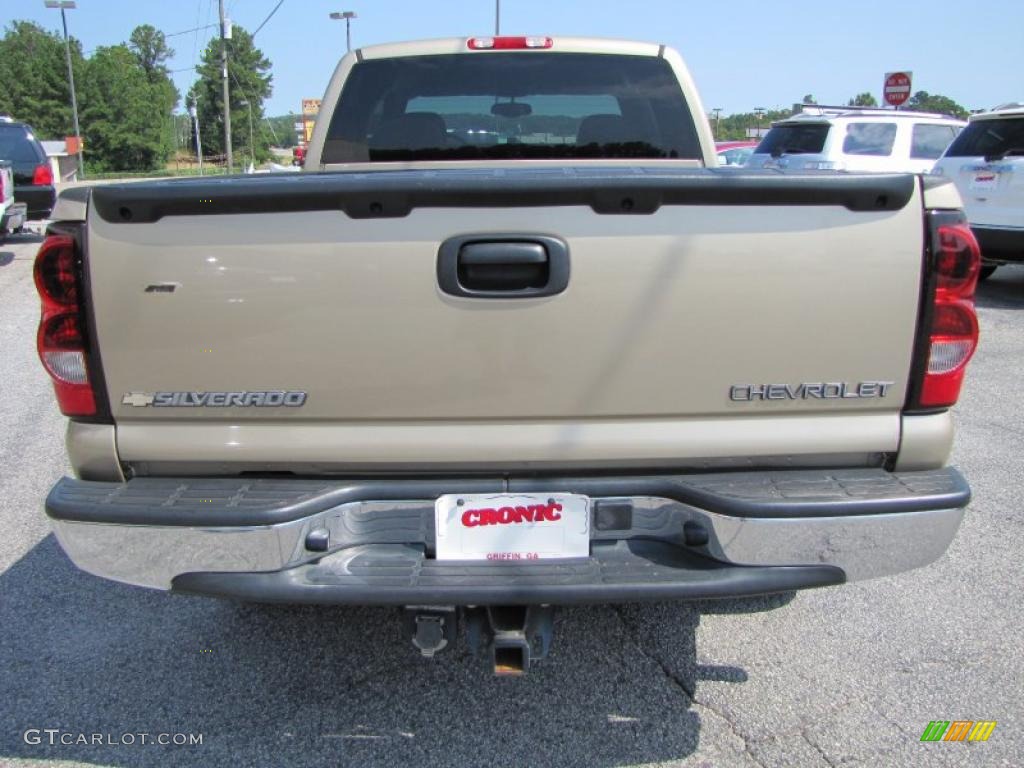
(859, 523)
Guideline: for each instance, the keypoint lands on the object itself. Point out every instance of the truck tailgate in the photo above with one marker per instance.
(675, 322)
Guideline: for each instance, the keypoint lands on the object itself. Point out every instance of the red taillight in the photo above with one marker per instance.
(61, 338)
(952, 325)
(508, 43)
(42, 176)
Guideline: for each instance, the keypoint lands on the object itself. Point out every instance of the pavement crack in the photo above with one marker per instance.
(671, 676)
(817, 748)
(689, 690)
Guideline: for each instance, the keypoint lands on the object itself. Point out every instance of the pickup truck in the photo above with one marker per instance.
(510, 341)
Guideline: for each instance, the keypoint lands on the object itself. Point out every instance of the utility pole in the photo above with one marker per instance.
(224, 83)
(718, 120)
(64, 4)
(497, 17)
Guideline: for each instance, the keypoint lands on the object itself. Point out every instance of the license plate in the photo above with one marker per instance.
(985, 180)
(518, 527)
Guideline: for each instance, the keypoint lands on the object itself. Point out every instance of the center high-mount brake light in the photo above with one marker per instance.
(949, 326)
(61, 338)
(508, 43)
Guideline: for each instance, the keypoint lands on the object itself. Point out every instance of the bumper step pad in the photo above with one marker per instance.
(621, 571)
(249, 502)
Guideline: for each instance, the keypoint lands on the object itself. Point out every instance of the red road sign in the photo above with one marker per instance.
(897, 88)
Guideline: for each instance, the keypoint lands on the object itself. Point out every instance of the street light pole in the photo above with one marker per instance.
(347, 16)
(759, 113)
(497, 17)
(70, 4)
(199, 144)
(224, 86)
(252, 150)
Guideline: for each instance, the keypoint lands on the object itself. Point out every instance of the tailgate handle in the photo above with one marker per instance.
(503, 266)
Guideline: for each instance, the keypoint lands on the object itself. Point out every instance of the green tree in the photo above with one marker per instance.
(149, 46)
(922, 101)
(283, 127)
(863, 100)
(249, 79)
(34, 78)
(809, 99)
(117, 104)
(734, 127)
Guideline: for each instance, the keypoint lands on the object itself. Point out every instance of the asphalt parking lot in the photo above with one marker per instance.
(845, 676)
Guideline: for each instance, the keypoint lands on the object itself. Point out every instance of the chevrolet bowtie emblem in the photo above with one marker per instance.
(138, 399)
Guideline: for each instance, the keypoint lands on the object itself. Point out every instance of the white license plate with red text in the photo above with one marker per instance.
(514, 527)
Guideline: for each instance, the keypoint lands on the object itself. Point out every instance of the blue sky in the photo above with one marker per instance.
(742, 53)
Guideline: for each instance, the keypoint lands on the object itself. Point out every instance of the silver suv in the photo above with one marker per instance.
(855, 139)
(986, 162)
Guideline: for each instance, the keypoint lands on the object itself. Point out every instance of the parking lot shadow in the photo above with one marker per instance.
(1004, 290)
(280, 685)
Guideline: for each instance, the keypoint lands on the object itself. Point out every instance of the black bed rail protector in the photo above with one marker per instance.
(390, 194)
(248, 501)
(619, 572)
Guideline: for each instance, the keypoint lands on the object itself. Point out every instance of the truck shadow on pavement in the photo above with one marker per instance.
(281, 685)
(1004, 290)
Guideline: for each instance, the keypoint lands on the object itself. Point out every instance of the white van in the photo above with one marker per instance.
(855, 139)
(986, 162)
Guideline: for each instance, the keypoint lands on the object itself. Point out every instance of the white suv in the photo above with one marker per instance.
(852, 139)
(986, 162)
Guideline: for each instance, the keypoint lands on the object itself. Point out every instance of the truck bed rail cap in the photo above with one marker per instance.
(393, 194)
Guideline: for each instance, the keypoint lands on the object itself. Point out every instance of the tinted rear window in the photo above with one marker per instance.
(511, 106)
(987, 138)
(929, 141)
(16, 146)
(869, 139)
(794, 139)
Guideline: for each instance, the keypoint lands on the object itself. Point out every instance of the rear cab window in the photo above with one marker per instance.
(995, 138)
(874, 139)
(504, 106)
(794, 139)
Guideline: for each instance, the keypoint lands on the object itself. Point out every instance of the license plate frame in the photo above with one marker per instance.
(519, 527)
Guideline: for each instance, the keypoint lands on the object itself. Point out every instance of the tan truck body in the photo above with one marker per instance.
(288, 387)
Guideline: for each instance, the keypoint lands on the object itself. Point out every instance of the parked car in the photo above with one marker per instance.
(853, 139)
(33, 177)
(734, 153)
(986, 162)
(516, 373)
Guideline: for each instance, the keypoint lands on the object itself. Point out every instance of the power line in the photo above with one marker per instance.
(269, 16)
(186, 31)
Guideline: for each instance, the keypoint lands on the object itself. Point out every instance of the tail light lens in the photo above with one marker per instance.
(42, 176)
(948, 333)
(62, 340)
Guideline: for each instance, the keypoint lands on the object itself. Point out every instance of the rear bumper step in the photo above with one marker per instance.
(372, 542)
(623, 571)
